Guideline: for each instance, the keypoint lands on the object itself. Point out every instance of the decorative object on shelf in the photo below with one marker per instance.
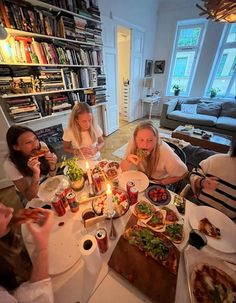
(159, 67)
(176, 89)
(219, 10)
(73, 172)
(148, 68)
(149, 83)
(213, 92)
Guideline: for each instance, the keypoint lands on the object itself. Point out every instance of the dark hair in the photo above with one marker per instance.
(13, 133)
(233, 148)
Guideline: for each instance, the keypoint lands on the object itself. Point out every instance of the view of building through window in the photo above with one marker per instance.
(224, 68)
(185, 56)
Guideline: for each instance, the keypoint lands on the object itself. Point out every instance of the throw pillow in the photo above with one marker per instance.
(228, 109)
(209, 108)
(189, 108)
(186, 101)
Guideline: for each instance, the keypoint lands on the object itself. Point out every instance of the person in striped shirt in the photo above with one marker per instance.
(214, 182)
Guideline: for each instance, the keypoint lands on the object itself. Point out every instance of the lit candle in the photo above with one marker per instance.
(109, 199)
(88, 172)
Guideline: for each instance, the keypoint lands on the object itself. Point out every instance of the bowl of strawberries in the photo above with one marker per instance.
(158, 195)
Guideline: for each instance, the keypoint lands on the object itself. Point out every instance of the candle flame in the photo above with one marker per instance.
(108, 189)
(87, 165)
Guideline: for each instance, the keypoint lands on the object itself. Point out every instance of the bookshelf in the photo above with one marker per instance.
(51, 58)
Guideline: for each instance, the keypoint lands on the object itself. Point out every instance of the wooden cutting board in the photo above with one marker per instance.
(143, 272)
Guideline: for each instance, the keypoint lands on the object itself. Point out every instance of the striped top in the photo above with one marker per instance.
(223, 197)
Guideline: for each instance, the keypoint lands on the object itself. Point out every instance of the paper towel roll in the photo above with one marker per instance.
(90, 253)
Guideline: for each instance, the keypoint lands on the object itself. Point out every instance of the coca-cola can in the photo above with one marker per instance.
(101, 237)
(58, 205)
(74, 205)
(129, 185)
(61, 194)
(133, 195)
(97, 182)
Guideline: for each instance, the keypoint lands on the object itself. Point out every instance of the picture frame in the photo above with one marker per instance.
(159, 67)
(148, 68)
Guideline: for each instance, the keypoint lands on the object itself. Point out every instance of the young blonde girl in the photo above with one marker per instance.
(83, 137)
(159, 162)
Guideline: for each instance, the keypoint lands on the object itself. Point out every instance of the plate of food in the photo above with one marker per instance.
(51, 185)
(120, 203)
(218, 228)
(158, 195)
(210, 279)
(140, 179)
(143, 210)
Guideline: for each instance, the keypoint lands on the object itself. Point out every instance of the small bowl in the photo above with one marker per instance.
(197, 239)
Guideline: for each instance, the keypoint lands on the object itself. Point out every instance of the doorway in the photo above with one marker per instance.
(123, 54)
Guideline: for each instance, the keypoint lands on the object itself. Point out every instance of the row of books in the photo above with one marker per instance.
(28, 18)
(28, 50)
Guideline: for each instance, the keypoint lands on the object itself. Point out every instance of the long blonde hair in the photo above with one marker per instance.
(153, 158)
(79, 109)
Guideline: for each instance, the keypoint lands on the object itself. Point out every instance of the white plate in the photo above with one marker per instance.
(227, 243)
(140, 179)
(49, 187)
(64, 240)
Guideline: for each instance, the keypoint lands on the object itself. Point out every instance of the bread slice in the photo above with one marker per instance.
(209, 229)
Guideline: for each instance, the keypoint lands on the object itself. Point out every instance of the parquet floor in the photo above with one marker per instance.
(112, 142)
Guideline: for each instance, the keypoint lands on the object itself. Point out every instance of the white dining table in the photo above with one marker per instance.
(77, 284)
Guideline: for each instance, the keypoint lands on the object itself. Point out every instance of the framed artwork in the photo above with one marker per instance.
(159, 67)
(148, 68)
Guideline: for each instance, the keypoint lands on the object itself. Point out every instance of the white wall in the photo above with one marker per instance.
(141, 13)
(168, 15)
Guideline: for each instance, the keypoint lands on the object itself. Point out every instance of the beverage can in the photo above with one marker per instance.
(133, 195)
(97, 182)
(58, 205)
(101, 237)
(129, 185)
(74, 205)
(61, 193)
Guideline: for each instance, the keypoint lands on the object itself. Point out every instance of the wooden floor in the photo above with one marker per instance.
(112, 142)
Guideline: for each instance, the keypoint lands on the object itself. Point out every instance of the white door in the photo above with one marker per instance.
(110, 69)
(136, 77)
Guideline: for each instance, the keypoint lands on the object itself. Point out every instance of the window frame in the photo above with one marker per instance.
(186, 24)
(219, 53)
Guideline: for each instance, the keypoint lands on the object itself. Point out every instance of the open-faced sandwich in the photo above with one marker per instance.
(209, 229)
(211, 284)
(175, 232)
(41, 152)
(153, 244)
(157, 220)
(171, 216)
(144, 210)
(142, 153)
(25, 215)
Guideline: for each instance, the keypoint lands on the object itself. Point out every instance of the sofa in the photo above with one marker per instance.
(210, 115)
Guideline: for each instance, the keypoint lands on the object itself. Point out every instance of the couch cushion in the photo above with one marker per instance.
(228, 109)
(209, 108)
(186, 101)
(189, 108)
(226, 123)
(195, 119)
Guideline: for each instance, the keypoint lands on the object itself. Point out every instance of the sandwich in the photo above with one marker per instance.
(41, 152)
(25, 215)
(142, 153)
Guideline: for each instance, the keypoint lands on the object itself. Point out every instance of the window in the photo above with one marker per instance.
(223, 73)
(188, 42)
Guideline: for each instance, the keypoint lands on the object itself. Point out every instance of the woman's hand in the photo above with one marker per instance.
(40, 232)
(209, 183)
(133, 159)
(52, 160)
(34, 164)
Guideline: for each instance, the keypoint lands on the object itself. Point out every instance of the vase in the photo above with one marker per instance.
(176, 92)
(77, 184)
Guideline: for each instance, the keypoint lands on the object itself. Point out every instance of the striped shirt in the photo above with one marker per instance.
(223, 198)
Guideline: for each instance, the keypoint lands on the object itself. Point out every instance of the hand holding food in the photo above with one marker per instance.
(133, 159)
(34, 164)
(41, 152)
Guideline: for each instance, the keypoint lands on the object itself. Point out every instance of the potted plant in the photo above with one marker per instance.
(73, 172)
(213, 92)
(176, 89)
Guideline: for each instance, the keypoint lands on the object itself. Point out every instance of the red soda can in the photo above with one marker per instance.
(101, 237)
(133, 195)
(97, 182)
(74, 206)
(129, 185)
(61, 194)
(58, 206)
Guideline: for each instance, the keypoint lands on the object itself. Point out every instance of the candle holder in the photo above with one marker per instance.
(113, 232)
(91, 190)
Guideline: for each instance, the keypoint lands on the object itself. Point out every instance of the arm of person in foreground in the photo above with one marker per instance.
(39, 288)
(200, 182)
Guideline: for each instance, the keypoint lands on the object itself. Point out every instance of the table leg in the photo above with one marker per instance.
(150, 111)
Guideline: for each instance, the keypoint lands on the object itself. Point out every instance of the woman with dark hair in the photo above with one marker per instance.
(27, 160)
(214, 182)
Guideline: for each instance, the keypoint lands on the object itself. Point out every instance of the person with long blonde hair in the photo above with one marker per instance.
(147, 153)
(83, 137)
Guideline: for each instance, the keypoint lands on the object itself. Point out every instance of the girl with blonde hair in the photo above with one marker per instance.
(83, 137)
(147, 153)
